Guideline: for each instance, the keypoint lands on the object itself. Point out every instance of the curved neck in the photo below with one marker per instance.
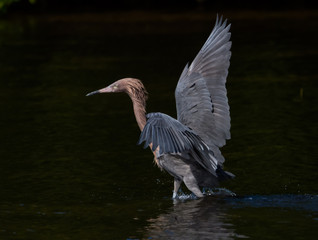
(138, 95)
(139, 105)
(140, 113)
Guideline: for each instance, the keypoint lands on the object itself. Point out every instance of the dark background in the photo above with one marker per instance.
(98, 5)
(69, 165)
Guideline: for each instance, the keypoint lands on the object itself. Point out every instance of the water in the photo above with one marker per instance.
(70, 167)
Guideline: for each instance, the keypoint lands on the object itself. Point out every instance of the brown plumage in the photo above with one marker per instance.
(136, 91)
(138, 94)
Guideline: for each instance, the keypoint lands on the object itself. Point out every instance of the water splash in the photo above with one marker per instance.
(218, 192)
(181, 196)
(215, 192)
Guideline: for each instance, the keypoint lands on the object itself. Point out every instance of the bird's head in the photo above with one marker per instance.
(117, 86)
(132, 86)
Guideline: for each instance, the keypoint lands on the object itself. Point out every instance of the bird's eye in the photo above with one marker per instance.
(115, 86)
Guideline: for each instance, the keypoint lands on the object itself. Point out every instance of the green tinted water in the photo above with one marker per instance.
(70, 167)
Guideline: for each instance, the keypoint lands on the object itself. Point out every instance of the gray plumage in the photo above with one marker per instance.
(201, 97)
(188, 148)
(170, 136)
(202, 107)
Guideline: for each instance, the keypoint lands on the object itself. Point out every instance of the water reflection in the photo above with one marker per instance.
(196, 219)
(214, 217)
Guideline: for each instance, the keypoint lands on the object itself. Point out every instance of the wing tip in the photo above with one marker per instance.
(220, 22)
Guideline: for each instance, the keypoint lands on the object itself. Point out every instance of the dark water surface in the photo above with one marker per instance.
(70, 167)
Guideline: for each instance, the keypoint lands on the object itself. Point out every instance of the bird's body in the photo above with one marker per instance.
(188, 148)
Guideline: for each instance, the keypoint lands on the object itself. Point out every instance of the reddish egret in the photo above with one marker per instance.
(188, 148)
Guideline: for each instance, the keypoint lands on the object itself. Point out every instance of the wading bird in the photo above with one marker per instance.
(188, 148)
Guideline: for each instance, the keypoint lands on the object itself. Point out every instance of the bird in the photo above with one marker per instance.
(188, 148)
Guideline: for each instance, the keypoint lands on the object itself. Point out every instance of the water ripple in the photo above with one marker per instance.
(292, 201)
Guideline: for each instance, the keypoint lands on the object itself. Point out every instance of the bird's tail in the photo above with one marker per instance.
(224, 175)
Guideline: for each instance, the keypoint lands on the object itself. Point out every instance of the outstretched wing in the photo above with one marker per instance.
(201, 95)
(170, 136)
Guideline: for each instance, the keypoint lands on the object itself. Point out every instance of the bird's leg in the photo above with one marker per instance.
(176, 184)
(193, 187)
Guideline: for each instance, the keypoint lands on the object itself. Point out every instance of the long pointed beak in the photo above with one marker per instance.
(103, 90)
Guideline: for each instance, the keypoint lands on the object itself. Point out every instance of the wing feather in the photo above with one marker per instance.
(173, 137)
(201, 95)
